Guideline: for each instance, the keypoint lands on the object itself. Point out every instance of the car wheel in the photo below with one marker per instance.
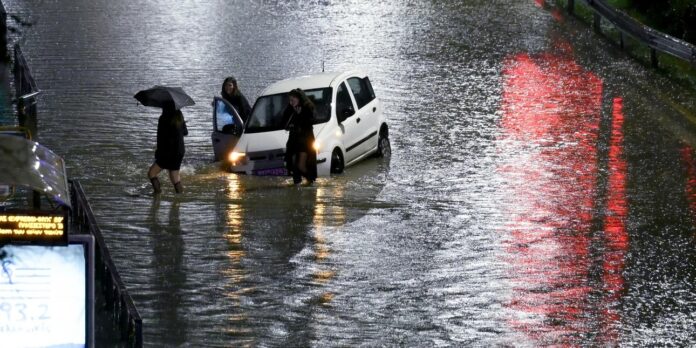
(337, 162)
(383, 147)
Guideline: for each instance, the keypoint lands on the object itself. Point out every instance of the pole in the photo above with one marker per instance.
(653, 58)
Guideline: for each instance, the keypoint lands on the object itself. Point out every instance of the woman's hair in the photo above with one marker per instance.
(304, 101)
(176, 116)
(234, 82)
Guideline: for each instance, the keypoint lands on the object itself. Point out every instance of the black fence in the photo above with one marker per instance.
(5, 106)
(627, 25)
(117, 298)
(26, 92)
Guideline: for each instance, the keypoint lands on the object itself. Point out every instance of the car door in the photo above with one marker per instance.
(227, 128)
(366, 114)
(345, 113)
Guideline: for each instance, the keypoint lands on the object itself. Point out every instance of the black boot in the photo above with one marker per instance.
(178, 188)
(156, 188)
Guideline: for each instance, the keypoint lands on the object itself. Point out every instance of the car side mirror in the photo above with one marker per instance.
(345, 113)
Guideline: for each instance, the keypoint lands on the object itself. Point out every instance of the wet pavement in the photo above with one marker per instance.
(541, 191)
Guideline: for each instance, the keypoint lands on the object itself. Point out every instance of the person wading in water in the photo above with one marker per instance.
(171, 129)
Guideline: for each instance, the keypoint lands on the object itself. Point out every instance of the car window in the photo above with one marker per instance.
(362, 90)
(343, 98)
(268, 111)
(223, 115)
(321, 98)
(267, 114)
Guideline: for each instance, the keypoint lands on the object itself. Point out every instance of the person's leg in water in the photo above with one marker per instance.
(302, 160)
(176, 181)
(296, 171)
(152, 175)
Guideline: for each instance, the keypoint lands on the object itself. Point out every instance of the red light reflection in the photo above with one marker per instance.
(552, 110)
(616, 237)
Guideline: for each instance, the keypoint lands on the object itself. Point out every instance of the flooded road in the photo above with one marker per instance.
(541, 191)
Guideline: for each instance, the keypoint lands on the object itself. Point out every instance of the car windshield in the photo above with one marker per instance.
(268, 110)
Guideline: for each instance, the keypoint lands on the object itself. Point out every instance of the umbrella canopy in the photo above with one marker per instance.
(160, 96)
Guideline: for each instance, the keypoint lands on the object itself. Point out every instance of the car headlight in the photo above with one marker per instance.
(316, 145)
(236, 156)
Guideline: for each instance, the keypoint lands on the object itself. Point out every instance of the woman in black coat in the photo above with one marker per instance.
(300, 155)
(231, 93)
(171, 129)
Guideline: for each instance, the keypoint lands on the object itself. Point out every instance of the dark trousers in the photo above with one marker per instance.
(297, 174)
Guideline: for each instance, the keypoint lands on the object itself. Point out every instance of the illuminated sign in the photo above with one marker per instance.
(47, 294)
(32, 227)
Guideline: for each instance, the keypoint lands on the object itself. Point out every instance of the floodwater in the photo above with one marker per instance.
(541, 191)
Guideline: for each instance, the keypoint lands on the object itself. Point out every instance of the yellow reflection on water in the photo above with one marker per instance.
(326, 298)
(322, 252)
(319, 208)
(234, 194)
(329, 209)
(235, 189)
(321, 249)
(234, 219)
(323, 277)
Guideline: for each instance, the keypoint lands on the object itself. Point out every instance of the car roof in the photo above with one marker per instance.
(321, 80)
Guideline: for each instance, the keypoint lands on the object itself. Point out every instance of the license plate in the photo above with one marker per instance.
(271, 171)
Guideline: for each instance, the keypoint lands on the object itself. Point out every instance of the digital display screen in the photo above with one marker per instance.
(43, 297)
(32, 227)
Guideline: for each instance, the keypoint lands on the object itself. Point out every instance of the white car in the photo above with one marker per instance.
(348, 125)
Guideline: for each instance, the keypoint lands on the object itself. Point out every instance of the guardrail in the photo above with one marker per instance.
(26, 91)
(5, 117)
(116, 295)
(657, 41)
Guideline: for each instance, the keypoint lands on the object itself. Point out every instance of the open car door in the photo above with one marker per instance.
(227, 128)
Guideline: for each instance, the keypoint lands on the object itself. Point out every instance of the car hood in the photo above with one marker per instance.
(265, 141)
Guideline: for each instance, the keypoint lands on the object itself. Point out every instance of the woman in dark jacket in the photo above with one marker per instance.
(300, 155)
(171, 129)
(230, 92)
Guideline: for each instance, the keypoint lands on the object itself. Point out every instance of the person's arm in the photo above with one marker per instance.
(288, 118)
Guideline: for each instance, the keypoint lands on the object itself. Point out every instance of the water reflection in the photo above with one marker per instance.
(552, 115)
(416, 265)
(170, 276)
(615, 234)
(238, 325)
(279, 268)
(275, 220)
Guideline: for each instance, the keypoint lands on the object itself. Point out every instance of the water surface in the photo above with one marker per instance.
(542, 188)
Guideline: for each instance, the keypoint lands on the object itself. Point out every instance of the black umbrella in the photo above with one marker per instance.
(159, 96)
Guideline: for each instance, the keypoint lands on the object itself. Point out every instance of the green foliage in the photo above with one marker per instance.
(657, 15)
(622, 4)
(674, 17)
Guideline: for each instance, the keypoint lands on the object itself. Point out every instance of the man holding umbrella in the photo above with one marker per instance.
(171, 129)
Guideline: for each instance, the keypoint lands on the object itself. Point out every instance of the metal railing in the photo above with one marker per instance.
(117, 298)
(5, 105)
(26, 91)
(657, 41)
